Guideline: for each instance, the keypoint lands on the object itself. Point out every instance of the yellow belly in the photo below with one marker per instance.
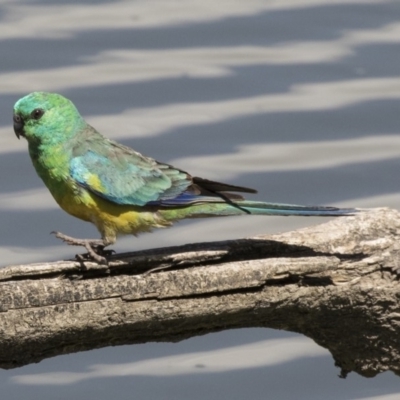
(110, 219)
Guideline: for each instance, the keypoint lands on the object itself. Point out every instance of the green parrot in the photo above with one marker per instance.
(118, 189)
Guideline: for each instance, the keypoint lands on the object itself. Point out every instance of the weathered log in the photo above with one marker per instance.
(335, 283)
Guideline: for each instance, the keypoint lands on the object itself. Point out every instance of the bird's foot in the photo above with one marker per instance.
(94, 247)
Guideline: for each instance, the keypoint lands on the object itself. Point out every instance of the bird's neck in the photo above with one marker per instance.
(50, 162)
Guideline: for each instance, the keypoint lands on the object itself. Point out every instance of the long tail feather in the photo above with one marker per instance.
(260, 208)
(203, 210)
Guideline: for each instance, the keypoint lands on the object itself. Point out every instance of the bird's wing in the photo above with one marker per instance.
(123, 176)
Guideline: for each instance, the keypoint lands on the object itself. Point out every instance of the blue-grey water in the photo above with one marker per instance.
(298, 98)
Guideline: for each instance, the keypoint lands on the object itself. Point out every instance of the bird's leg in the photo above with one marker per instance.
(94, 247)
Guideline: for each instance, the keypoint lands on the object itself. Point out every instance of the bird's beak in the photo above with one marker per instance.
(18, 126)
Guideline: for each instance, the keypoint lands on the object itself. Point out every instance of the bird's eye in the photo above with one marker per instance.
(37, 113)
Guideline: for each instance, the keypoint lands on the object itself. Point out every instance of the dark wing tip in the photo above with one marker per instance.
(213, 186)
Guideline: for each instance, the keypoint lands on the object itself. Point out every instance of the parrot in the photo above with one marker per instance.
(118, 189)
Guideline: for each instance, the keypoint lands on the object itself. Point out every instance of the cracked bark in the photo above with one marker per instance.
(335, 283)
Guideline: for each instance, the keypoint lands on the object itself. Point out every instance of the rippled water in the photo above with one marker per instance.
(299, 99)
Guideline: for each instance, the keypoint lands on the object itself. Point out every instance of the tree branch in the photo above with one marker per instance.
(335, 283)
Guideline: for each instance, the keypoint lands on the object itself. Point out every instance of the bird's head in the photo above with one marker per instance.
(46, 117)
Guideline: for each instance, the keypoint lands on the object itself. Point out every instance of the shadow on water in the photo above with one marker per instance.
(325, 22)
(208, 384)
(97, 372)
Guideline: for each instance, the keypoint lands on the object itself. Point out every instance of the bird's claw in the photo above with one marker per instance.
(91, 257)
(94, 247)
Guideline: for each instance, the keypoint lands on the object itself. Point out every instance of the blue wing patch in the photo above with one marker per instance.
(127, 179)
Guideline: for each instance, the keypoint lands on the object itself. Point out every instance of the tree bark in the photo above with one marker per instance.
(335, 283)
